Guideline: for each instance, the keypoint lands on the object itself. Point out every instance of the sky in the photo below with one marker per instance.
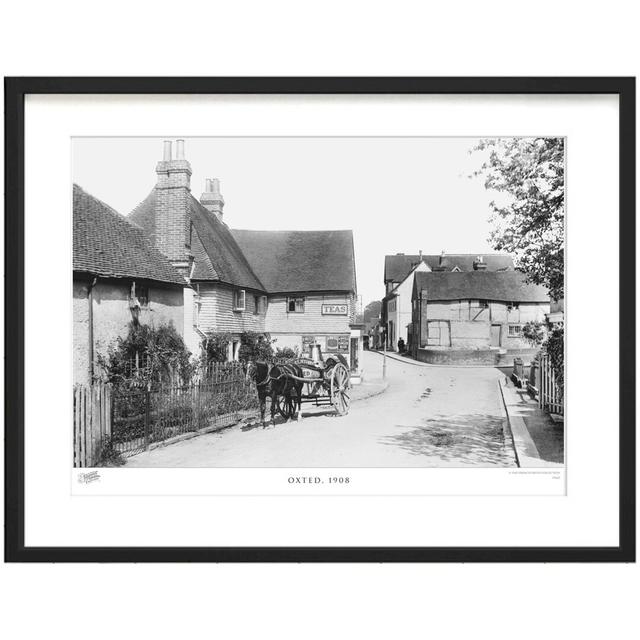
(398, 195)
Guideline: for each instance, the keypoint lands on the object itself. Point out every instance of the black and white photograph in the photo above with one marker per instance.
(319, 302)
(350, 325)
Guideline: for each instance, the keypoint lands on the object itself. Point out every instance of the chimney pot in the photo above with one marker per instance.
(179, 149)
(167, 151)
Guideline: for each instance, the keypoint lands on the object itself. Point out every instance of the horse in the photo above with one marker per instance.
(275, 381)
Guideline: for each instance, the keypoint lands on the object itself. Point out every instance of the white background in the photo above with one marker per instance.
(327, 39)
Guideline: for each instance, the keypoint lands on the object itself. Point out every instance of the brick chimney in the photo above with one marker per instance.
(479, 264)
(212, 199)
(172, 213)
(442, 263)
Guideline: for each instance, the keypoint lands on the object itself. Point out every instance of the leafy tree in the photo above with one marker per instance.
(528, 173)
(371, 311)
(529, 220)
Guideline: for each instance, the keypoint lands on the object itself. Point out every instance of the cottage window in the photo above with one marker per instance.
(295, 305)
(515, 330)
(438, 333)
(239, 300)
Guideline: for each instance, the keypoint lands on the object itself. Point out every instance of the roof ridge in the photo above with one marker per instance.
(106, 243)
(211, 221)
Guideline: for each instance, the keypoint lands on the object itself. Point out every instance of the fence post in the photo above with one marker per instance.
(147, 403)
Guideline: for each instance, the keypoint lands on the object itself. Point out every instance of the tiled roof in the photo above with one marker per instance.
(297, 261)
(106, 244)
(397, 267)
(216, 252)
(504, 286)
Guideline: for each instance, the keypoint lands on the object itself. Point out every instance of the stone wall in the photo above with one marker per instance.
(478, 357)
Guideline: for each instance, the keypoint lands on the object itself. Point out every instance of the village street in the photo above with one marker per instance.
(428, 416)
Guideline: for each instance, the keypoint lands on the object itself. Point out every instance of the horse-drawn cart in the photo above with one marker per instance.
(291, 383)
(325, 384)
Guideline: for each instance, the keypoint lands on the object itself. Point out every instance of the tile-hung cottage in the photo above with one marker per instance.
(474, 317)
(297, 286)
(118, 276)
(398, 280)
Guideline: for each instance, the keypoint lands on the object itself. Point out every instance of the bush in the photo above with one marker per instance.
(253, 346)
(554, 346)
(551, 340)
(287, 352)
(215, 347)
(534, 333)
(109, 456)
(148, 354)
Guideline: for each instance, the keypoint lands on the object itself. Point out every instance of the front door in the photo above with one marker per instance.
(495, 335)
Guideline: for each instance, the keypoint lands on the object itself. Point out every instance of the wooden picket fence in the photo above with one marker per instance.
(543, 385)
(131, 416)
(91, 423)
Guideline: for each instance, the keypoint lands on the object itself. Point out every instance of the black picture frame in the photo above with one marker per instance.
(15, 91)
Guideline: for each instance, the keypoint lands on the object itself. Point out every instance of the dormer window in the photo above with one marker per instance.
(239, 300)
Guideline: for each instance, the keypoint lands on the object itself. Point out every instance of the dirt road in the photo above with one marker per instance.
(429, 416)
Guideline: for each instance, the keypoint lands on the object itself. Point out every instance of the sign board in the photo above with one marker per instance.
(334, 309)
(339, 343)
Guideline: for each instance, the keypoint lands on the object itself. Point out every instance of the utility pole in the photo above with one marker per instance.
(384, 355)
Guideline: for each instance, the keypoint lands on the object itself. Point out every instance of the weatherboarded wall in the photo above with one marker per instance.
(280, 320)
(216, 313)
(112, 315)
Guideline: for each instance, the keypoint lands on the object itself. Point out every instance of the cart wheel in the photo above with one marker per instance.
(286, 407)
(340, 386)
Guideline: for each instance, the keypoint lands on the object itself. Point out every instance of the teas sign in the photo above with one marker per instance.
(334, 309)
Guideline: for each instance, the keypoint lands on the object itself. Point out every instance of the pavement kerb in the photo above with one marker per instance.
(527, 454)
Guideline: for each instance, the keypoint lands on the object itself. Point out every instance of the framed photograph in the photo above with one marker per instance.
(320, 319)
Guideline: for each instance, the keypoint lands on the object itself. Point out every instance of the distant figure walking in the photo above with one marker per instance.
(401, 346)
